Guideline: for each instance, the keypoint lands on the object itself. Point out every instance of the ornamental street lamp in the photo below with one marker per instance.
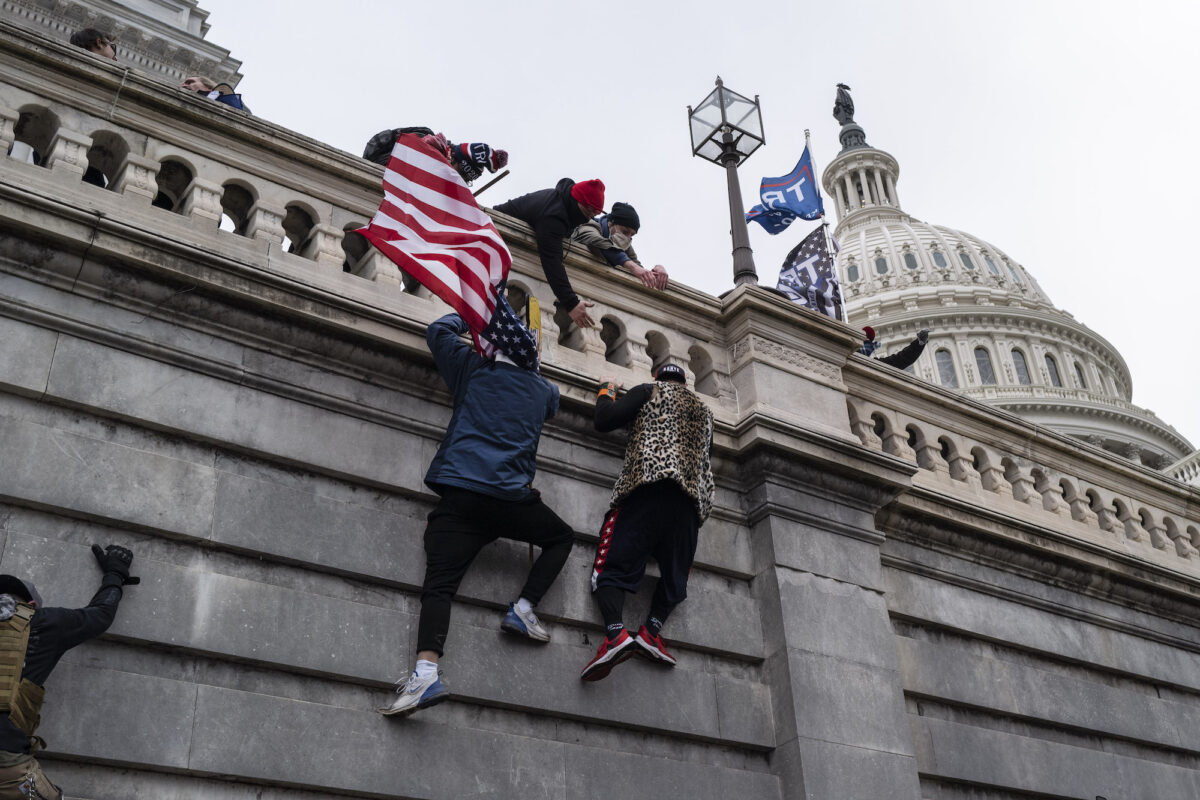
(726, 129)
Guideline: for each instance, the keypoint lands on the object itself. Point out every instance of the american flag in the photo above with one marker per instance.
(430, 226)
(808, 278)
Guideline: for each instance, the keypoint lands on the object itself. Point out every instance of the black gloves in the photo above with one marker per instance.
(115, 560)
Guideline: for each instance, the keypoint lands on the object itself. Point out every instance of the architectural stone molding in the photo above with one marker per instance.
(783, 355)
(136, 177)
(68, 152)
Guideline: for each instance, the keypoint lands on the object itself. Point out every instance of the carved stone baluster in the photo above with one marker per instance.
(1052, 495)
(1183, 546)
(593, 345)
(1129, 521)
(8, 124)
(1107, 520)
(266, 223)
(1023, 489)
(1158, 534)
(992, 479)
(962, 469)
(375, 266)
(68, 152)
(1082, 512)
(135, 178)
(639, 360)
(202, 201)
(929, 456)
(325, 245)
(862, 426)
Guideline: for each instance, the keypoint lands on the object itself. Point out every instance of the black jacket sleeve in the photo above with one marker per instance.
(612, 414)
(54, 631)
(551, 234)
(906, 357)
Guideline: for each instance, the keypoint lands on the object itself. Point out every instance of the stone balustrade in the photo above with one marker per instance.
(149, 150)
(1042, 478)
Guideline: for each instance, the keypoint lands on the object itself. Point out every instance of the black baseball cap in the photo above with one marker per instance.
(670, 372)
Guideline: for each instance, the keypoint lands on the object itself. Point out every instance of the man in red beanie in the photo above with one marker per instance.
(902, 359)
(553, 214)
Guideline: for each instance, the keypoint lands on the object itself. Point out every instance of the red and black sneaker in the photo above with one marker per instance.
(652, 647)
(610, 653)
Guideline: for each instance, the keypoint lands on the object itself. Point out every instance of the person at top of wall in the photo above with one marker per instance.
(554, 214)
(610, 236)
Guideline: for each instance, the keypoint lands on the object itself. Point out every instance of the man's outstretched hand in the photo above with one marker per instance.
(580, 316)
(117, 560)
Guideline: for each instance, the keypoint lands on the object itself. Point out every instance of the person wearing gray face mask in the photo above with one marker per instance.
(610, 236)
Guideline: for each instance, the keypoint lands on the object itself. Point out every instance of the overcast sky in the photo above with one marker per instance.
(1054, 130)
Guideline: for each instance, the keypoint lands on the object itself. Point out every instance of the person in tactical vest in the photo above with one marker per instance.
(661, 498)
(32, 640)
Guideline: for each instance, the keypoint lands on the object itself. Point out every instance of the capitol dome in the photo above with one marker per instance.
(995, 335)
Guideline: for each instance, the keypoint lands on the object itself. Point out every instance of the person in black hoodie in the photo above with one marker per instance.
(902, 359)
(32, 640)
(554, 214)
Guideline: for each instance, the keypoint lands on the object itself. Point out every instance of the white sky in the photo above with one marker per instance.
(1051, 129)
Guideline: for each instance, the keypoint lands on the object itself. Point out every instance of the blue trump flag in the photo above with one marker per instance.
(788, 198)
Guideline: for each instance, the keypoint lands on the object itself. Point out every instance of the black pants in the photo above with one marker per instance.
(461, 524)
(657, 520)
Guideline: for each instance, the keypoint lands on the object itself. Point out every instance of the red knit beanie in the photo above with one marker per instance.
(589, 193)
(867, 329)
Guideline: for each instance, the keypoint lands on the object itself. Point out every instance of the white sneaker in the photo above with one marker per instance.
(417, 693)
(524, 624)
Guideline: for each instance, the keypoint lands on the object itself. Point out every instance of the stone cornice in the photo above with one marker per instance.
(1123, 414)
(111, 91)
(1014, 544)
(170, 52)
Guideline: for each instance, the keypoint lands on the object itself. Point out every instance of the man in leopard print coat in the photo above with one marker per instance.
(662, 496)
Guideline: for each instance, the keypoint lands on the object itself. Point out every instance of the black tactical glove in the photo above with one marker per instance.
(116, 560)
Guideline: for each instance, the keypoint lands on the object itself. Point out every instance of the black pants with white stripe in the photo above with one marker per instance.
(656, 520)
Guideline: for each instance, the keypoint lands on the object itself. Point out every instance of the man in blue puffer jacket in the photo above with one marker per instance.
(483, 472)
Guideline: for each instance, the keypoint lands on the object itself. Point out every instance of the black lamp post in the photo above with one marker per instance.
(726, 128)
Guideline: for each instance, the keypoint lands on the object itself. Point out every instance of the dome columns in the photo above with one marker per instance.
(862, 179)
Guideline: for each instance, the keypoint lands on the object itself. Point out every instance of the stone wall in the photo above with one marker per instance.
(900, 594)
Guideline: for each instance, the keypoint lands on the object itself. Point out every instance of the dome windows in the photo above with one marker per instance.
(945, 368)
(852, 273)
(881, 265)
(1052, 369)
(983, 362)
(965, 257)
(910, 259)
(991, 265)
(939, 259)
(1079, 376)
(1016, 277)
(1021, 367)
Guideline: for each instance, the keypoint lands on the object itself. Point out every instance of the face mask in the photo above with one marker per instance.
(621, 241)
